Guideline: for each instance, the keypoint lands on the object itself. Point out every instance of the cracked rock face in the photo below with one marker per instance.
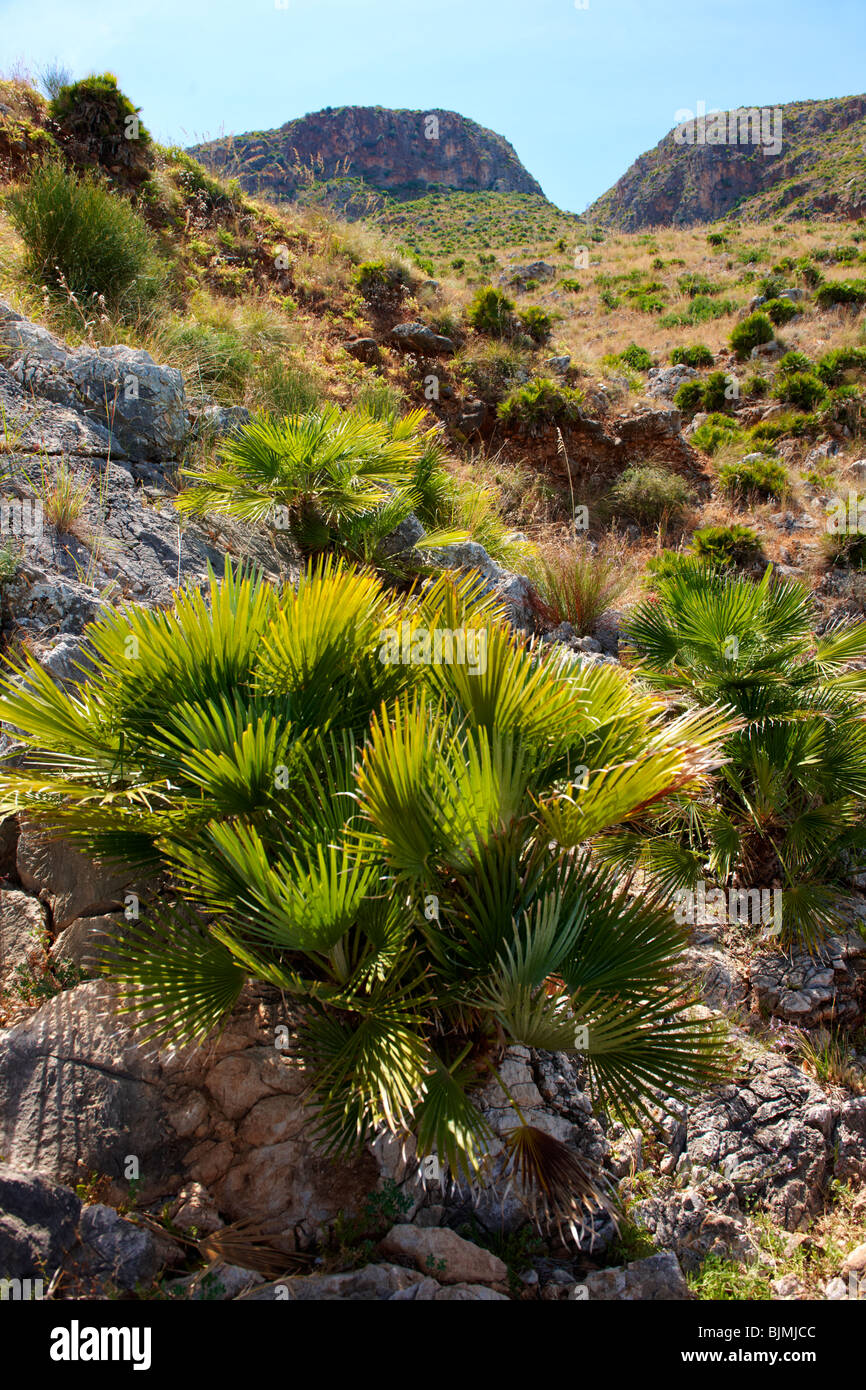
(770, 1135)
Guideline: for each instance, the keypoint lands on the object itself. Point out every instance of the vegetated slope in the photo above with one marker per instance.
(820, 169)
(401, 152)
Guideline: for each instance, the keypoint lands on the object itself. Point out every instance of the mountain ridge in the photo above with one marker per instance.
(395, 151)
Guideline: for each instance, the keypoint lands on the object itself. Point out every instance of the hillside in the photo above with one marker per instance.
(820, 169)
(362, 903)
(400, 152)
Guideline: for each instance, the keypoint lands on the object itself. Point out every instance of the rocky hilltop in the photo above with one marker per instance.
(392, 151)
(801, 159)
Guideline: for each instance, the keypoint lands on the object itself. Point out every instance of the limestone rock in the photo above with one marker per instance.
(75, 885)
(22, 933)
(658, 1277)
(38, 1219)
(443, 1254)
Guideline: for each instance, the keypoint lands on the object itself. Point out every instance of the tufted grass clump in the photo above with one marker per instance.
(650, 493)
(76, 228)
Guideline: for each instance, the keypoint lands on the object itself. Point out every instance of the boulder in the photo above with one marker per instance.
(74, 885)
(22, 934)
(365, 350)
(444, 1255)
(111, 1252)
(38, 1221)
(79, 1093)
(656, 1278)
(417, 337)
(770, 1135)
(850, 1141)
(122, 389)
(373, 1283)
(693, 1227)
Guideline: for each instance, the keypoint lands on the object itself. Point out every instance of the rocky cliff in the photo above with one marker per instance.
(393, 151)
(795, 160)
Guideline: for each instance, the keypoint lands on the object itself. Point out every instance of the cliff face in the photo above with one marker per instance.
(393, 151)
(799, 159)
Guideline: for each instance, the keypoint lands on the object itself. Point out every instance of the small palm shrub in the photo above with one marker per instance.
(802, 389)
(715, 432)
(699, 355)
(726, 545)
(576, 584)
(755, 476)
(74, 226)
(832, 366)
(789, 804)
(650, 493)
(491, 312)
(841, 292)
(780, 311)
(397, 844)
(792, 362)
(757, 386)
(694, 283)
(329, 478)
(689, 397)
(749, 334)
(537, 324)
(540, 402)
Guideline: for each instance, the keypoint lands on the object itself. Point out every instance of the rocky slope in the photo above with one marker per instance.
(393, 151)
(221, 1135)
(818, 169)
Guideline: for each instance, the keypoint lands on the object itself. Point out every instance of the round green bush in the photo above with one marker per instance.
(802, 389)
(749, 334)
(780, 311)
(689, 397)
(696, 356)
(727, 545)
(763, 477)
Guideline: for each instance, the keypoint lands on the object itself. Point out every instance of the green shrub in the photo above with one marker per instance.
(753, 331)
(727, 545)
(650, 493)
(696, 356)
(213, 359)
(716, 431)
(638, 358)
(491, 312)
(74, 226)
(102, 126)
(715, 388)
(689, 397)
(841, 292)
(537, 323)
(764, 477)
(702, 309)
(801, 389)
(573, 286)
(780, 311)
(835, 363)
(794, 362)
(716, 239)
(797, 758)
(771, 286)
(694, 283)
(757, 386)
(540, 402)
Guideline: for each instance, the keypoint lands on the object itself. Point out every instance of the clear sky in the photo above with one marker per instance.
(580, 93)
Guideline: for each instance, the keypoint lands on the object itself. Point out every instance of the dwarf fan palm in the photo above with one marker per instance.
(403, 849)
(789, 807)
(330, 478)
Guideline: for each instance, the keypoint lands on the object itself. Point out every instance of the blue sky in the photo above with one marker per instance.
(580, 93)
